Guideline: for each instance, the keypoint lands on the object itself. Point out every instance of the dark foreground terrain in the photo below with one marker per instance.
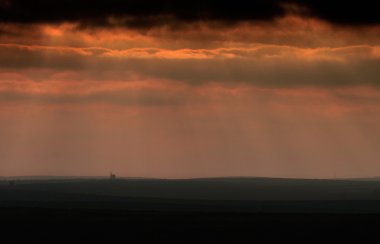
(35, 225)
(191, 211)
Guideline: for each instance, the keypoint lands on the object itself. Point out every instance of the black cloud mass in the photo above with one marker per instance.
(136, 13)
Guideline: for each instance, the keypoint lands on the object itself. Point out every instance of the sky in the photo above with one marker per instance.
(183, 89)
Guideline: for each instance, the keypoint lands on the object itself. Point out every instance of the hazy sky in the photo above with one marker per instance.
(190, 88)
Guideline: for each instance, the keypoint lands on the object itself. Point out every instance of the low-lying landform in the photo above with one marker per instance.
(213, 210)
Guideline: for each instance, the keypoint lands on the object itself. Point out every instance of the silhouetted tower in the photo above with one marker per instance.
(112, 176)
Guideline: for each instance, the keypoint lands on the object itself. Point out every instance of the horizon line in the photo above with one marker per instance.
(189, 178)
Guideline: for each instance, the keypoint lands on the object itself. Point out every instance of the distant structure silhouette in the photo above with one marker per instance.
(112, 176)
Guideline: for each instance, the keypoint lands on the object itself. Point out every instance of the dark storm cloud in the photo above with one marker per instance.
(344, 12)
(134, 13)
(141, 13)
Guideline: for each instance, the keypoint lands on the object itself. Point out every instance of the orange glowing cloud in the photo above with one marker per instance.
(247, 96)
(290, 30)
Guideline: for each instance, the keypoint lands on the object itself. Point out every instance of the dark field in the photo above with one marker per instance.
(190, 211)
